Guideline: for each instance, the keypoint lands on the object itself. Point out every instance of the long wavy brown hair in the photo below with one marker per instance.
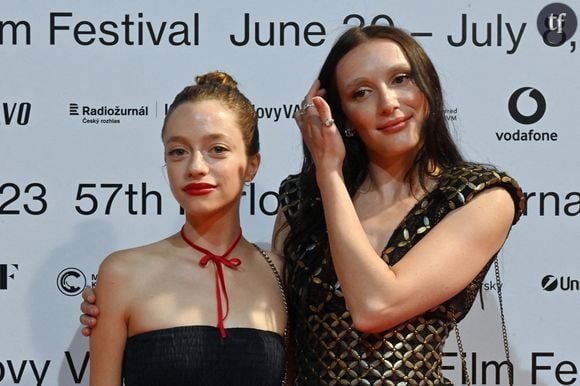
(437, 150)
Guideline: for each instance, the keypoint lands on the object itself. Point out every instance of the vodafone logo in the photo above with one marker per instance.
(515, 106)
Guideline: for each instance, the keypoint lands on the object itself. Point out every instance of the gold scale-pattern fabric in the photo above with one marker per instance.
(329, 350)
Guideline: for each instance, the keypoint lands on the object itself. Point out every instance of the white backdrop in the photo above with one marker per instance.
(83, 91)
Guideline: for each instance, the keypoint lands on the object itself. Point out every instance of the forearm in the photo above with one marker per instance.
(366, 280)
(443, 263)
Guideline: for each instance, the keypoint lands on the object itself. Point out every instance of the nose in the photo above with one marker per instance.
(197, 164)
(389, 100)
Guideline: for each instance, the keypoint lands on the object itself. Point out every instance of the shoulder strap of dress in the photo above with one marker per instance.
(268, 259)
(283, 293)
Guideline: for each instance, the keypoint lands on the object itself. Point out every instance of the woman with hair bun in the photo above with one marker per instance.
(203, 306)
(387, 232)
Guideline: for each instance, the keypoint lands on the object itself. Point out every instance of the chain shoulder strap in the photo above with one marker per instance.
(283, 293)
(503, 331)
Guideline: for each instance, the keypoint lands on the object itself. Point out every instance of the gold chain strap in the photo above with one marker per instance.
(503, 331)
(283, 292)
(503, 325)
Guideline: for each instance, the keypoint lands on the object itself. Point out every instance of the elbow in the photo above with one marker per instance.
(365, 325)
(373, 320)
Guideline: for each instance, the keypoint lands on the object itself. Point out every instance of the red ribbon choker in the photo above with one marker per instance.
(220, 285)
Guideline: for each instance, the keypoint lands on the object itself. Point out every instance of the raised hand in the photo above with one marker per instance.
(319, 131)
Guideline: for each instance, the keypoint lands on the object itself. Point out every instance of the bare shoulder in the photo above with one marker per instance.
(491, 213)
(495, 201)
(123, 275)
(126, 263)
(276, 259)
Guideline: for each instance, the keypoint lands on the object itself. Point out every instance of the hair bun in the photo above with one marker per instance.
(216, 78)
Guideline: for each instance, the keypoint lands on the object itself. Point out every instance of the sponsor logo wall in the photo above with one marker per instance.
(84, 90)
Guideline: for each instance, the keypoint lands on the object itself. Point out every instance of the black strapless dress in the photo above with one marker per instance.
(198, 356)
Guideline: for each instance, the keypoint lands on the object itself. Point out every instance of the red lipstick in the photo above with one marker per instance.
(198, 188)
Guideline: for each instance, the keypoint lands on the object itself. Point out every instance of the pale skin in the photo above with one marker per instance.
(387, 110)
(161, 285)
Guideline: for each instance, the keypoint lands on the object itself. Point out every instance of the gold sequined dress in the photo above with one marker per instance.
(329, 350)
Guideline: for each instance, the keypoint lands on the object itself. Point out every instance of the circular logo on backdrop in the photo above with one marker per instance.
(535, 116)
(549, 283)
(556, 24)
(71, 281)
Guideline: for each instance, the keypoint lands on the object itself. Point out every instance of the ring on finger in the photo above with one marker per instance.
(305, 107)
(328, 122)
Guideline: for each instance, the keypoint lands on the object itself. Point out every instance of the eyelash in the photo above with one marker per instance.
(403, 77)
(359, 93)
(219, 149)
(176, 152)
(398, 79)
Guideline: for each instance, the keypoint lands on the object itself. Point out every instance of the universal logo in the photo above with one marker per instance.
(7, 272)
(553, 283)
(514, 105)
(105, 114)
(557, 24)
(71, 281)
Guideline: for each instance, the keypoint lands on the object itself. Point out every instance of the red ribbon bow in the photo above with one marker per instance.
(220, 284)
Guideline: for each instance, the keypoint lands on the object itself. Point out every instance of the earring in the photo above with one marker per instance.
(349, 132)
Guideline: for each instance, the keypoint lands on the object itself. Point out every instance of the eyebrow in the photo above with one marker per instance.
(211, 137)
(397, 67)
(217, 136)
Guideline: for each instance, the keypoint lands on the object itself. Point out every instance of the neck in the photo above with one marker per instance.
(391, 181)
(394, 165)
(213, 233)
(392, 177)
